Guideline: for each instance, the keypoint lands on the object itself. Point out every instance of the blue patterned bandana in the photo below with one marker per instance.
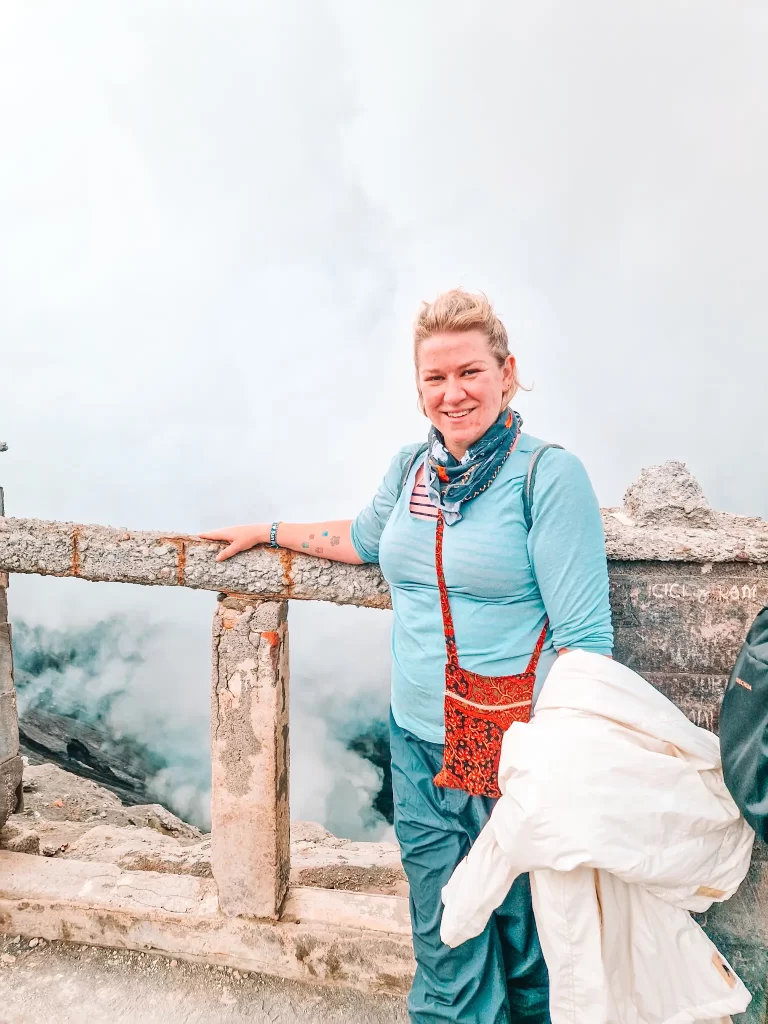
(450, 481)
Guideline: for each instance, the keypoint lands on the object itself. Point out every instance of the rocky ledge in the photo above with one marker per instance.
(67, 816)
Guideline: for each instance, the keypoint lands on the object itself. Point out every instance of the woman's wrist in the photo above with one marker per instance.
(261, 533)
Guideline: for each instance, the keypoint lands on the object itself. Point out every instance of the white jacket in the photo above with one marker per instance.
(615, 803)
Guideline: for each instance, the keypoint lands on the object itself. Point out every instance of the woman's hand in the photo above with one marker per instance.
(240, 538)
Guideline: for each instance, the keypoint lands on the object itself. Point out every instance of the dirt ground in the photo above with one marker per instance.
(60, 983)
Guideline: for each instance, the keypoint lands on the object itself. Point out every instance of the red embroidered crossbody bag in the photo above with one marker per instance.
(479, 709)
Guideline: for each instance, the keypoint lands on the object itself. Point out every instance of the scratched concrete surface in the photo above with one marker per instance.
(70, 984)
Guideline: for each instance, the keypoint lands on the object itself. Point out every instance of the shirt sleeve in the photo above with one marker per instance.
(368, 526)
(566, 545)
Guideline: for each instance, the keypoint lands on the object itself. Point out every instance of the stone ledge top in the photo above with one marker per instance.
(665, 517)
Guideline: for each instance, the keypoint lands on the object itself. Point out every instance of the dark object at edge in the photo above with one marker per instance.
(744, 728)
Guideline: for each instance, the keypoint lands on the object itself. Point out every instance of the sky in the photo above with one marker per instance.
(217, 222)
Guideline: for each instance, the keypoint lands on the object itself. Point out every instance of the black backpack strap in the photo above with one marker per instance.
(530, 480)
(419, 451)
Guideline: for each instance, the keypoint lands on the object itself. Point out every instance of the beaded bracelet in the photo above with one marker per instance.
(273, 535)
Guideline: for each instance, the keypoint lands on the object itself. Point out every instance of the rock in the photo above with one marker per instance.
(17, 839)
(318, 858)
(312, 833)
(8, 958)
(75, 745)
(11, 767)
(103, 830)
(159, 818)
(668, 495)
(33, 943)
(57, 795)
(142, 849)
(321, 859)
(60, 796)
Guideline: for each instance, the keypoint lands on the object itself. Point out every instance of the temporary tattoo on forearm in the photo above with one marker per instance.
(304, 544)
(335, 541)
(318, 551)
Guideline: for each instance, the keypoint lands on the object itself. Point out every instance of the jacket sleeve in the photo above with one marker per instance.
(566, 546)
(367, 527)
(478, 885)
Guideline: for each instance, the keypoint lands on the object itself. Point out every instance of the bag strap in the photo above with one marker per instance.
(445, 606)
(530, 480)
(419, 451)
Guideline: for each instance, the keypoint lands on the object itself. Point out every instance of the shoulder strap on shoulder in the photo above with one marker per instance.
(530, 480)
(409, 466)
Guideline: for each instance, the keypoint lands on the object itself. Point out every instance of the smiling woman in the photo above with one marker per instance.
(463, 365)
(487, 588)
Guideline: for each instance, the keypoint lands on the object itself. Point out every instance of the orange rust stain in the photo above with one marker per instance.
(180, 543)
(286, 561)
(273, 639)
(182, 562)
(74, 567)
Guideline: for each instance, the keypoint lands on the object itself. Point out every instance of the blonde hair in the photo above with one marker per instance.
(454, 312)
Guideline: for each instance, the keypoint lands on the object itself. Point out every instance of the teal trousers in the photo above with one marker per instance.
(497, 978)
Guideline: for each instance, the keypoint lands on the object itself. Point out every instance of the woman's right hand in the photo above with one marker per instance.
(240, 538)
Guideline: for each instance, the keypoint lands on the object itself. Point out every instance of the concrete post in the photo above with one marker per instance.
(250, 819)
(10, 762)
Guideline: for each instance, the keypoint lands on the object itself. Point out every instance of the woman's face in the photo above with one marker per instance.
(462, 386)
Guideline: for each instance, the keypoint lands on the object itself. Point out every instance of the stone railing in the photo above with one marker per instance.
(686, 582)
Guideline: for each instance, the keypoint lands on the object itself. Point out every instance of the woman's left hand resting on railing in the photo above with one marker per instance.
(323, 540)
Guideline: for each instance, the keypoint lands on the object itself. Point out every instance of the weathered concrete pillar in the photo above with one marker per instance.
(10, 762)
(250, 817)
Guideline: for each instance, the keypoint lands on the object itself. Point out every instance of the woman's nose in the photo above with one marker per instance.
(454, 391)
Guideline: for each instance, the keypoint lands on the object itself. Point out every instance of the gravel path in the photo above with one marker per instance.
(68, 984)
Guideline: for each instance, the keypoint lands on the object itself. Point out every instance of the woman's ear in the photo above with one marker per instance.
(509, 373)
(508, 377)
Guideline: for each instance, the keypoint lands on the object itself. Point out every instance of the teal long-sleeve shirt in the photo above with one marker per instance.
(503, 581)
